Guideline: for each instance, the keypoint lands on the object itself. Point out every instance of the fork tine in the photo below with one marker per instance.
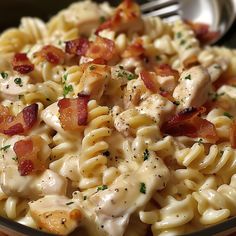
(157, 4)
(164, 12)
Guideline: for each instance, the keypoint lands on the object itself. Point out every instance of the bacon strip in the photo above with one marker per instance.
(126, 16)
(149, 81)
(27, 155)
(134, 50)
(73, 112)
(202, 32)
(188, 123)
(166, 70)
(22, 64)
(102, 48)
(20, 124)
(52, 54)
(77, 47)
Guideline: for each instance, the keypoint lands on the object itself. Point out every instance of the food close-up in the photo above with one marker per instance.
(116, 124)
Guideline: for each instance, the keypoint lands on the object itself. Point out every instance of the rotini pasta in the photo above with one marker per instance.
(116, 124)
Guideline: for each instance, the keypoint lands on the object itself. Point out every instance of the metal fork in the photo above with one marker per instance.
(168, 9)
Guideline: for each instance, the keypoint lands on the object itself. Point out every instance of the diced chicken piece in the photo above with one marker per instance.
(193, 88)
(129, 192)
(135, 92)
(164, 45)
(13, 85)
(55, 214)
(31, 186)
(228, 90)
(215, 70)
(167, 83)
(94, 80)
(157, 107)
(84, 15)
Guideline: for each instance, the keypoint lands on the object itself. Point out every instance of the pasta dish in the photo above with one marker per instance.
(112, 124)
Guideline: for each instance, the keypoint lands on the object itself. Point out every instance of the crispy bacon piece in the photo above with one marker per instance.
(232, 135)
(166, 70)
(167, 95)
(149, 81)
(27, 154)
(202, 32)
(20, 124)
(225, 80)
(52, 54)
(77, 47)
(134, 50)
(189, 123)
(22, 64)
(126, 16)
(73, 112)
(101, 48)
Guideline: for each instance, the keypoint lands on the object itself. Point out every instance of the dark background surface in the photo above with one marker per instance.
(12, 10)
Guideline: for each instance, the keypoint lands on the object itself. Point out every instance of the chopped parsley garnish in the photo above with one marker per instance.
(92, 67)
(142, 188)
(217, 66)
(14, 158)
(188, 77)
(65, 77)
(182, 42)
(221, 152)
(158, 58)
(18, 81)
(121, 67)
(4, 75)
(106, 153)
(228, 115)
(178, 34)
(189, 46)
(200, 141)
(215, 96)
(177, 103)
(102, 19)
(85, 197)
(67, 89)
(127, 75)
(103, 187)
(145, 155)
(5, 147)
(69, 203)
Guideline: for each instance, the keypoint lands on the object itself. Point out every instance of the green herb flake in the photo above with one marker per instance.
(69, 203)
(131, 76)
(85, 198)
(65, 77)
(142, 188)
(15, 158)
(4, 75)
(179, 34)
(182, 42)
(217, 66)
(103, 187)
(188, 77)
(221, 153)
(177, 103)
(67, 89)
(215, 96)
(5, 147)
(228, 115)
(18, 81)
(121, 67)
(92, 67)
(158, 58)
(102, 19)
(200, 141)
(145, 155)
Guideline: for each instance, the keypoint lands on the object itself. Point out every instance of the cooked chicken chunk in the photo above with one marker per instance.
(55, 214)
(157, 107)
(193, 88)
